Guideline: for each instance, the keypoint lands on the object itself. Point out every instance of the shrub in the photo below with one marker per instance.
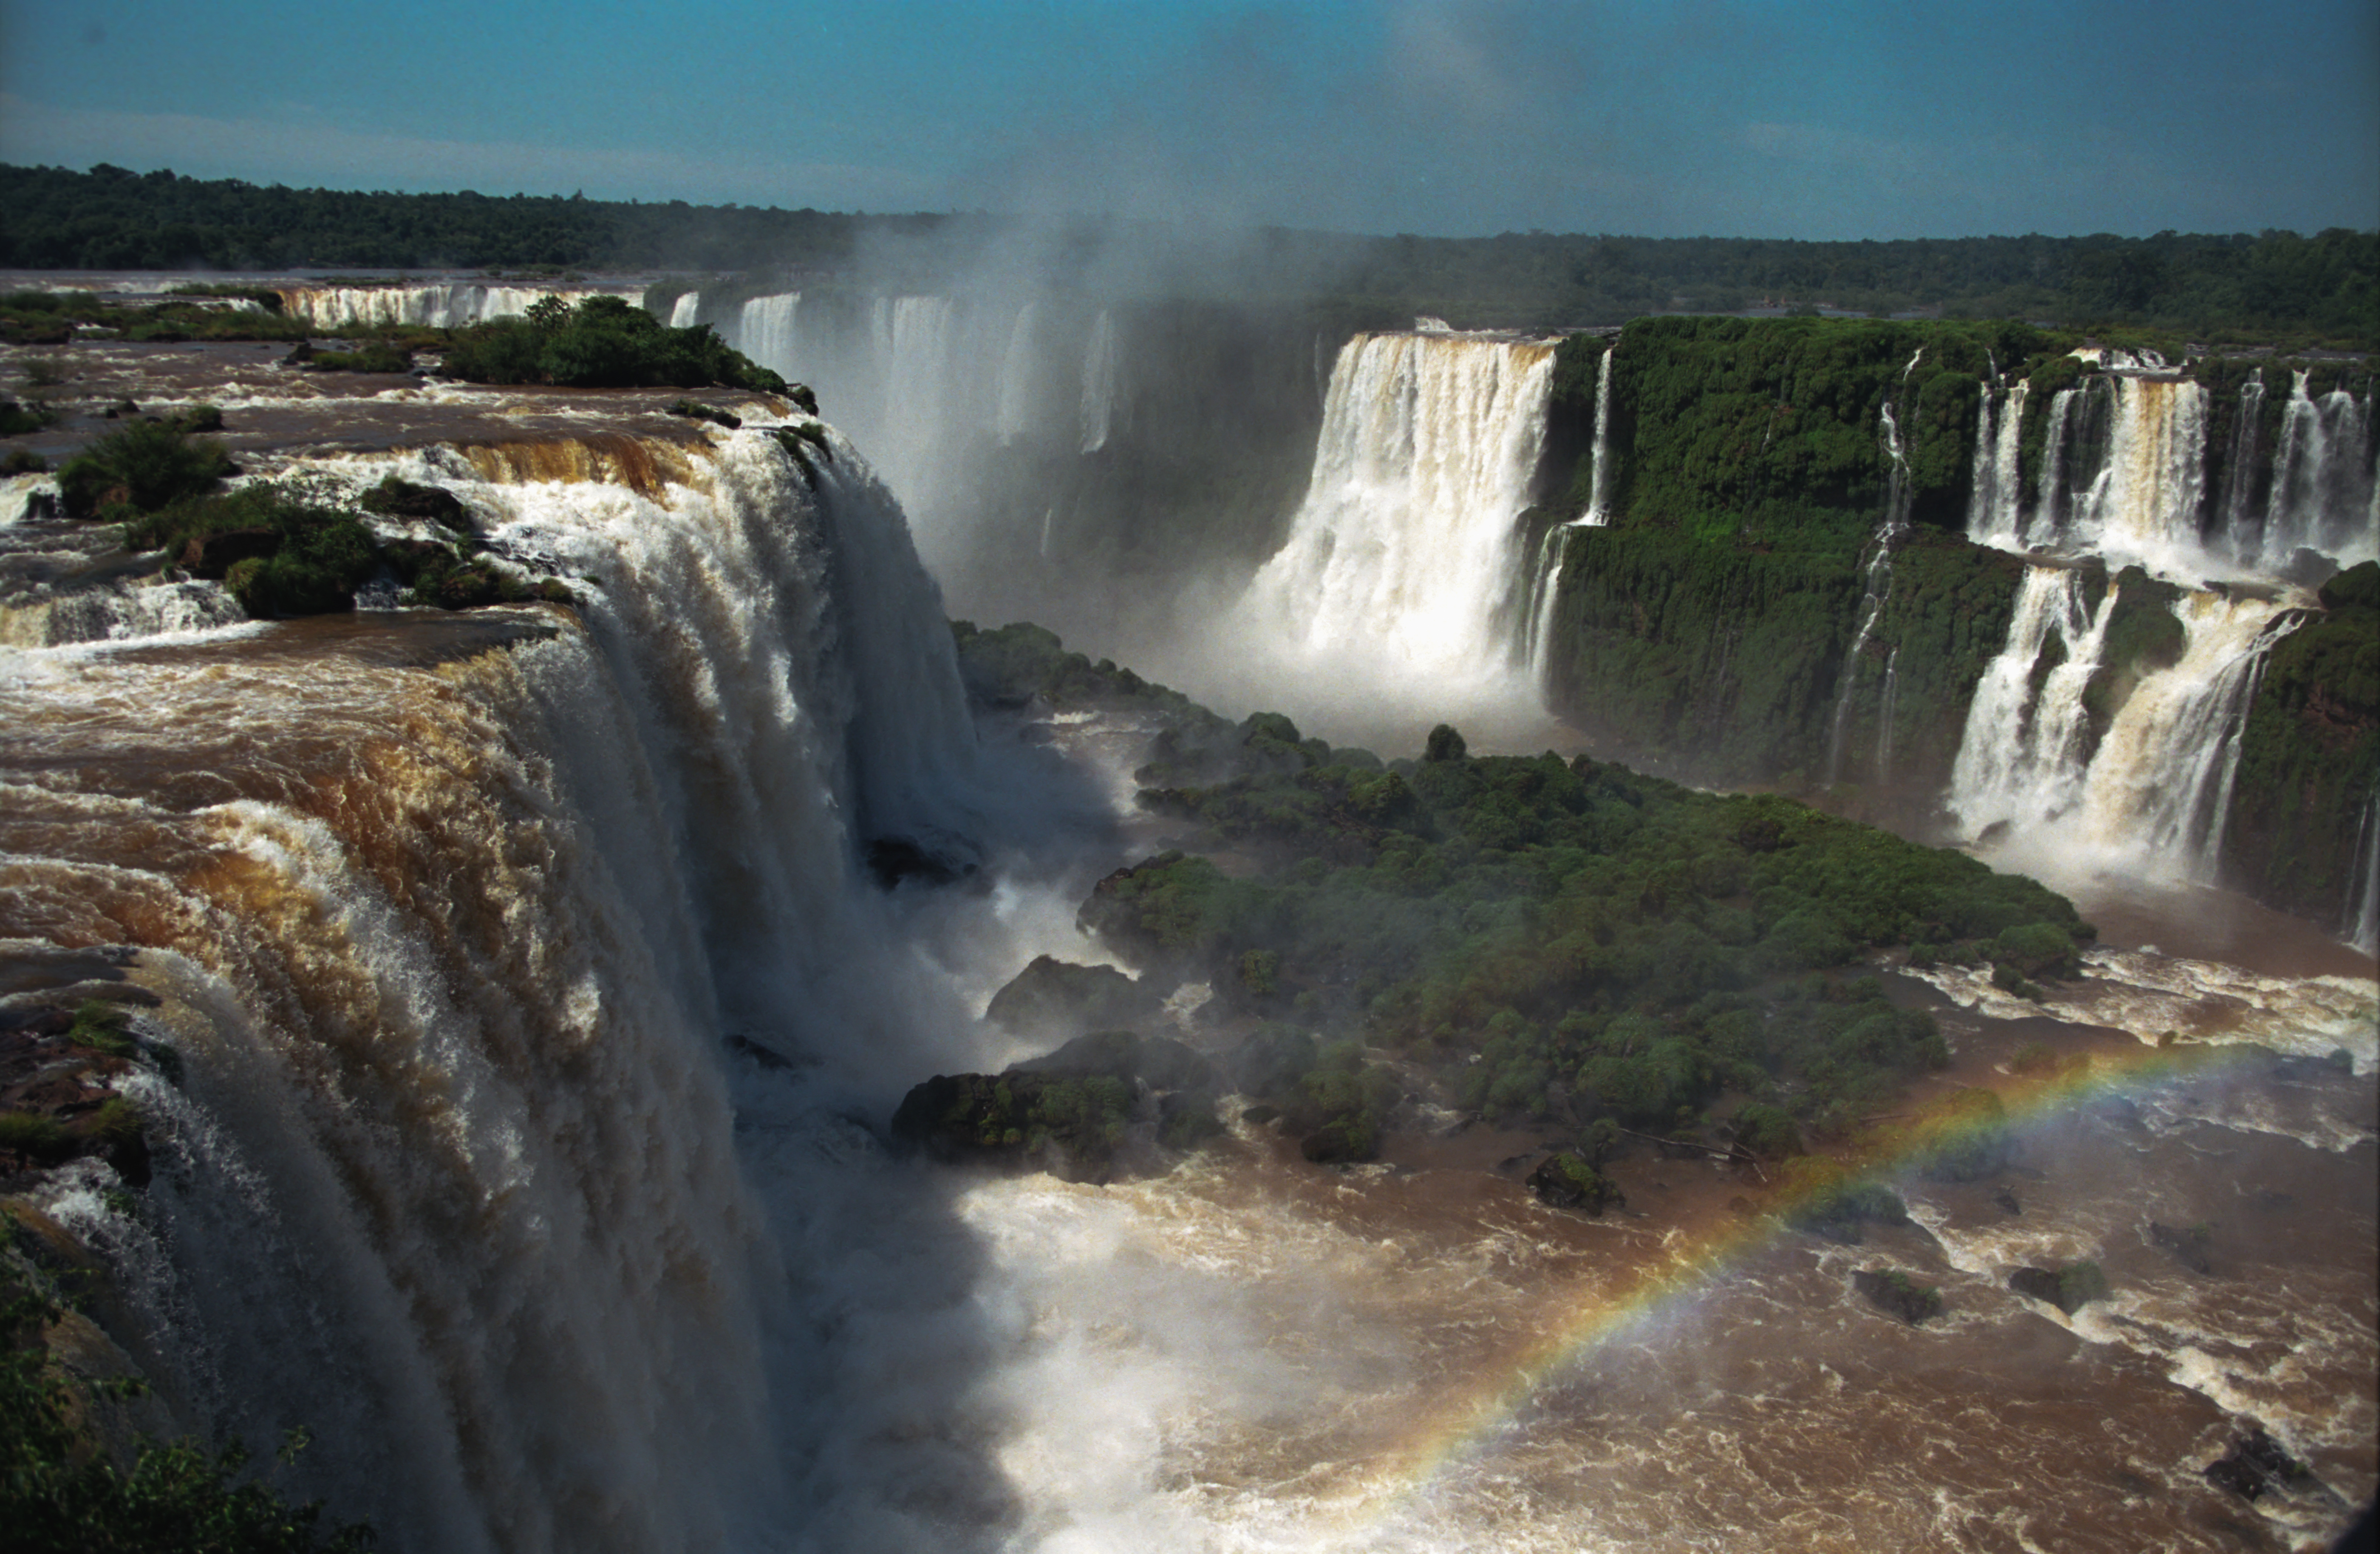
(145, 467)
(603, 342)
(61, 1495)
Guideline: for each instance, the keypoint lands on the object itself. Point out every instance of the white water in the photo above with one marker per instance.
(2022, 757)
(2150, 800)
(1103, 375)
(1399, 561)
(2144, 499)
(476, 1140)
(1877, 589)
(1598, 511)
(1995, 507)
(765, 328)
(449, 305)
(2150, 797)
(685, 310)
(2363, 913)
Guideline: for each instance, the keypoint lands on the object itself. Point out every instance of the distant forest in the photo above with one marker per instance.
(2325, 287)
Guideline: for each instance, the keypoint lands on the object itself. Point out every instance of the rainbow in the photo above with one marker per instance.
(1465, 1423)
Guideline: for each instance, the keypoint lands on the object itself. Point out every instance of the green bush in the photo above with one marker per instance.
(603, 342)
(61, 1494)
(145, 467)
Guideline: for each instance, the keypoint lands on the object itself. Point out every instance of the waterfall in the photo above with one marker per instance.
(2360, 920)
(1598, 510)
(456, 1178)
(2322, 496)
(2022, 755)
(687, 309)
(1017, 402)
(1877, 586)
(1884, 714)
(1102, 371)
(447, 305)
(2241, 518)
(765, 330)
(1995, 502)
(2153, 796)
(2143, 504)
(2049, 501)
(2160, 788)
(2123, 476)
(1403, 541)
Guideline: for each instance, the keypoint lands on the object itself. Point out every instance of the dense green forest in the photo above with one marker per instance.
(2327, 285)
(1561, 941)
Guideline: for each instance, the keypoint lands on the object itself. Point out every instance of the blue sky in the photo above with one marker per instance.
(1704, 118)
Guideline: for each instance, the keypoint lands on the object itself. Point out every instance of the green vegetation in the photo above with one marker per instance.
(51, 318)
(2068, 1286)
(1893, 1291)
(282, 548)
(2310, 757)
(603, 342)
(62, 1493)
(1708, 627)
(2323, 285)
(1563, 941)
(141, 469)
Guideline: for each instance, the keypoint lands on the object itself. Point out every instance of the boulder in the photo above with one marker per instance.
(1890, 1290)
(2257, 1464)
(2070, 1287)
(1059, 998)
(2187, 1247)
(1105, 1104)
(1567, 1181)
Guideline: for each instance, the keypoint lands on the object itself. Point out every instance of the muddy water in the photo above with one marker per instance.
(1414, 1356)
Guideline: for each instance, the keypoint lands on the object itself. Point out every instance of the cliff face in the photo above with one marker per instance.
(1792, 552)
(2302, 827)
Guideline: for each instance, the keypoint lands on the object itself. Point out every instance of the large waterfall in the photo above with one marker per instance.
(2124, 482)
(2124, 473)
(1403, 553)
(449, 917)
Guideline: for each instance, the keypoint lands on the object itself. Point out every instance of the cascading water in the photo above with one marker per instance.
(1403, 546)
(476, 1136)
(2024, 756)
(1598, 501)
(687, 310)
(1877, 586)
(765, 330)
(2363, 915)
(1103, 375)
(2124, 482)
(442, 306)
(1995, 505)
(2322, 496)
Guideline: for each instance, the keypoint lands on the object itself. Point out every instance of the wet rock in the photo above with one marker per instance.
(1345, 1139)
(2006, 1199)
(1103, 1105)
(1058, 997)
(2188, 1247)
(1894, 1291)
(1259, 1115)
(394, 498)
(1567, 1181)
(2069, 1287)
(2256, 1465)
